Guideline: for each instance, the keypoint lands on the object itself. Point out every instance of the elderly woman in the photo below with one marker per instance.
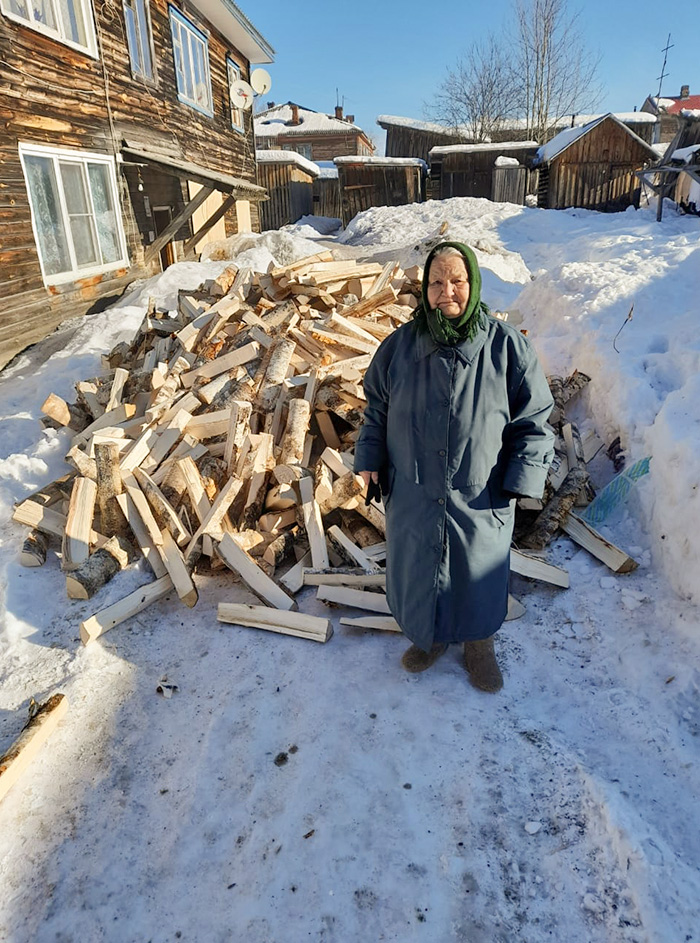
(455, 429)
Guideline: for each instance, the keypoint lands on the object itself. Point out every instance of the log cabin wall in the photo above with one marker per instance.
(60, 97)
(412, 142)
(597, 171)
(290, 192)
(470, 173)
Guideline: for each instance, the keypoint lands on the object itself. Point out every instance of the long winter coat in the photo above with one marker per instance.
(457, 433)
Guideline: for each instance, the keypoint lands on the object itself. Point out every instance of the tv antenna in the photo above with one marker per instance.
(664, 73)
(242, 94)
(261, 81)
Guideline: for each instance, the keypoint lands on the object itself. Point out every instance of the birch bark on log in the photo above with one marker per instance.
(295, 433)
(551, 517)
(109, 485)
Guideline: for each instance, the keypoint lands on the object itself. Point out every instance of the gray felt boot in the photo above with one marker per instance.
(415, 659)
(482, 667)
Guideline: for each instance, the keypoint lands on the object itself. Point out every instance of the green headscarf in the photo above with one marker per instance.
(451, 331)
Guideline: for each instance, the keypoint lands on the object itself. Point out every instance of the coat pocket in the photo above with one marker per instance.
(386, 481)
(502, 507)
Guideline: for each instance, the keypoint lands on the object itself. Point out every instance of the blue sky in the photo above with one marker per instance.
(390, 57)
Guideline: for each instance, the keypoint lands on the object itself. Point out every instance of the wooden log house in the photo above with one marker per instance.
(409, 137)
(313, 134)
(593, 166)
(121, 149)
(474, 170)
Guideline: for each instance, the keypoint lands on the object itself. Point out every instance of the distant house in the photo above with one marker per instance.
(379, 181)
(288, 178)
(499, 172)
(121, 148)
(314, 135)
(667, 111)
(641, 123)
(409, 137)
(677, 175)
(593, 166)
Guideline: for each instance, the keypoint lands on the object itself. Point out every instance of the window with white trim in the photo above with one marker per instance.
(68, 21)
(191, 51)
(234, 75)
(75, 212)
(138, 37)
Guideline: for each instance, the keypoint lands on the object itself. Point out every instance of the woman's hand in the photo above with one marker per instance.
(367, 476)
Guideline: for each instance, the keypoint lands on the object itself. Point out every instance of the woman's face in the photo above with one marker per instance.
(448, 285)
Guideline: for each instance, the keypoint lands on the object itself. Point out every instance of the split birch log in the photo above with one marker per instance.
(238, 429)
(312, 522)
(212, 523)
(34, 549)
(47, 521)
(293, 579)
(357, 598)
(76, 538)
(343, 576)
(64, 413)
(551, 518)
(109, 485)
(349, 550)
(120, 611)
(345, 489)
(327, 429)
(383, 623)
(177, 569)
(163, 511)
(142, 534)
(516, 610)
(524, 564)
(592, 541)
(115, 394)
(295, 432)
(373, 515)
(281, 498)
(98, 569)
(277, 367)
(198, 497)
(30, 741)
(286, 623)
(84, 465)
(258, 582)
(280, 548)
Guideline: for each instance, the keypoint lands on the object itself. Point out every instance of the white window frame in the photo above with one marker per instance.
(184, 30)
(85, 6)
(233, 74)
(84, 157)
(144, 37)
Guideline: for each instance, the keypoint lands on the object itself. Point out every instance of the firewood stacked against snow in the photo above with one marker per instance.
(224, 435)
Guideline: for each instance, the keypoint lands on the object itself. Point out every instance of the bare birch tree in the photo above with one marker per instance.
(557, 75)
(480, 93)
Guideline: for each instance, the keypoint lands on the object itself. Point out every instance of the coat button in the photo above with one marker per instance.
(445, 402)
(443, 452)
(441, 500)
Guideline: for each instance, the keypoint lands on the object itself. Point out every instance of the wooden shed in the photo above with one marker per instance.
(327, 200)
(379, 181)
(593, 166)
(288, 178)
(475, 170)
(409, 137)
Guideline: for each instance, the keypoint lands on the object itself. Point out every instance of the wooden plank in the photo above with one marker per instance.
(357, 598)
(124, 609)
(287, 623)
(258, 582)
(313, 524)
(589, 538)
(30, 741)
(525, 564)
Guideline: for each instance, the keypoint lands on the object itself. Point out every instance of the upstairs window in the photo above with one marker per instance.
(191, 51)
(75, 212)
(138, 35)
(234, 75)
(68, 21)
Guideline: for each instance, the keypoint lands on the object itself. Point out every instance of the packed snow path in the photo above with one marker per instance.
(291, 791)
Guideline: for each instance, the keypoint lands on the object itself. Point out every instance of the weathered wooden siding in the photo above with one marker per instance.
(412, 142)
(365, 185)
(327, 201)
(323, 147)
(597, 171)
(471, 173)
(56, 96)
(291, 194)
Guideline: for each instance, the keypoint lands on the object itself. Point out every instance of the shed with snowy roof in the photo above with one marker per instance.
(409, 137)
(379, 181)
(594, 166)
(499, 172)
(288, 178)
(313, 134)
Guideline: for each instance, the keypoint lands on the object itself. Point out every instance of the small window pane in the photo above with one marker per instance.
(19, 8)
(51, 233)
(144, 39)
(83, 241)
(43, 12)
(105, 217)
(73, 21)
(74, 187)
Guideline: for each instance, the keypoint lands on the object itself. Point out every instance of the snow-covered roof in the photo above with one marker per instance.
(274, 123)
(287, 157)
(471, 148)
(685, 153)
(690, 113)
(566, 138)
(675, 105)
(415, 124)
(327, 170)
(382, 161)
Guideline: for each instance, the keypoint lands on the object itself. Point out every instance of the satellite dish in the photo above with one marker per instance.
(241, 94)
(261, 81)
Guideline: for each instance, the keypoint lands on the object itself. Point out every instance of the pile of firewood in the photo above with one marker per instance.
(222, 435)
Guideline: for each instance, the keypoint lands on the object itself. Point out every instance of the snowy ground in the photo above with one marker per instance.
(291, 791)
